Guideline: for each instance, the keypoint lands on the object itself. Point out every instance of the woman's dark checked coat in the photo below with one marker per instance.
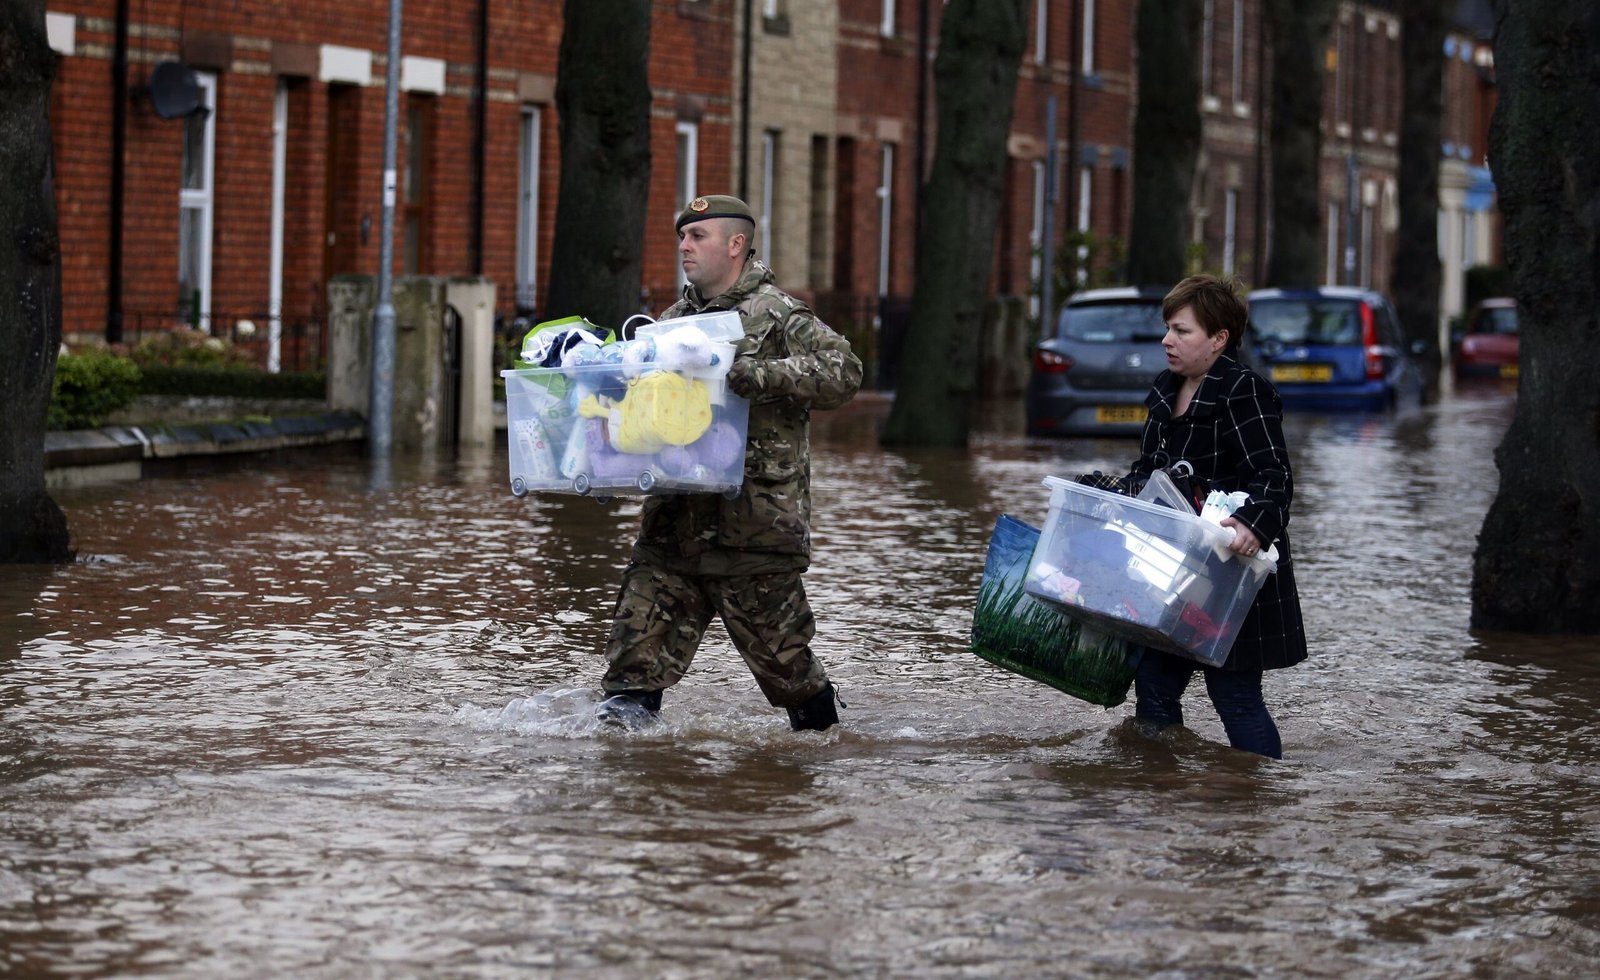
(1232, 435)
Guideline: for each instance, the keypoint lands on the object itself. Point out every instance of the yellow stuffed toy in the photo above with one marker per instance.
(662, 408)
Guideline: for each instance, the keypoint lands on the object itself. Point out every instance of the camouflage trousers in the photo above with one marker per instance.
(661, 617)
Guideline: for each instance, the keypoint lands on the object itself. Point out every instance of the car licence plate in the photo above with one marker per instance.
(1302, 372)
(1115, 414)
(1508, 370)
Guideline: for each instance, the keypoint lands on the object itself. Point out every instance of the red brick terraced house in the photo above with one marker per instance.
(233, 217)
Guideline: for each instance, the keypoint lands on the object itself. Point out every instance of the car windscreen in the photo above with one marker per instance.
(1113, 323)
(1307, 321)
(1501, 319)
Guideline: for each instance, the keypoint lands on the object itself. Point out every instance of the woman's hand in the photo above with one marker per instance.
(1245, 541)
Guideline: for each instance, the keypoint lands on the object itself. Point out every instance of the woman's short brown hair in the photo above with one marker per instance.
(1216, 303)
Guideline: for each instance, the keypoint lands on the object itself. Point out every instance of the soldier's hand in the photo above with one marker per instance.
(744, 377)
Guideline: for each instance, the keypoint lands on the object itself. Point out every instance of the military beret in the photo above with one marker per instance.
(714, 206)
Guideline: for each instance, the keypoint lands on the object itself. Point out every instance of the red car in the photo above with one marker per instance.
(1489, 345)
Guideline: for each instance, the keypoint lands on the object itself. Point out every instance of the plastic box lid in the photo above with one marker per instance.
(723, 325)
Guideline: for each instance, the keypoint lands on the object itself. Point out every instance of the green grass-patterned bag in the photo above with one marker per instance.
(1013, 630)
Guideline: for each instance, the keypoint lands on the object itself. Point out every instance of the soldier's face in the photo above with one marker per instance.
(710, 252)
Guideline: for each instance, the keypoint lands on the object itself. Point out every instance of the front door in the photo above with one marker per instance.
(341, 208)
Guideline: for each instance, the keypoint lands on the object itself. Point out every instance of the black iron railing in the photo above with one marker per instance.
(301, 344)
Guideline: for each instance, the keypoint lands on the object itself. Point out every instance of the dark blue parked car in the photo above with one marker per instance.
(1332, 348)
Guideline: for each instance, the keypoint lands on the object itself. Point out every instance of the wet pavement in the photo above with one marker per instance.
(294, 717)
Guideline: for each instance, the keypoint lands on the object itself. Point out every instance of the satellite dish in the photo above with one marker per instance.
(174, 91)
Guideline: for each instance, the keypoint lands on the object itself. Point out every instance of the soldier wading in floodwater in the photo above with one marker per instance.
(741, 559)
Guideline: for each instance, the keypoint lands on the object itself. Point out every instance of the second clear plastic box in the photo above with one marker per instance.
(626, 428)
(1158, 576)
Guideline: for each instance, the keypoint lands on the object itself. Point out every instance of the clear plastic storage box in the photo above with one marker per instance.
(649, 415)
(1158, 576)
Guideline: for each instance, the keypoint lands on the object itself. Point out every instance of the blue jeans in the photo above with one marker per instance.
(1158, 690)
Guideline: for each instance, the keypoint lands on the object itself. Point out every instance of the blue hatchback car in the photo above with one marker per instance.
(1332, 348)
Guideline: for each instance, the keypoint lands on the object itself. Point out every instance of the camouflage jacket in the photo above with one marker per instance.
(799, 365)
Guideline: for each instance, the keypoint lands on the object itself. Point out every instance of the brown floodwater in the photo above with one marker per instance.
(295, 716)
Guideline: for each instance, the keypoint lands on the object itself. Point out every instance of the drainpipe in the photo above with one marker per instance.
(280, 138)
(1262, 108)
(922, 136)
(119, 140)
(1047, 230)
(479, 137)
(1352, 184)
(744, 105)
(1074, 82)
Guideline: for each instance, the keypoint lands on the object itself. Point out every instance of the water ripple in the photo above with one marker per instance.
(306, 722)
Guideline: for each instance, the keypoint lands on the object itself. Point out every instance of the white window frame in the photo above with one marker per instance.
(688, 144)
(885, 214)
(280, 159)
(201, 199)
(1331, 269)
(1041, 27)
(1366, 246)
(1085, 195)
(886, 25)
(1036, 238)
(1086, 56)
(528, 206)
(1237, 54)
(1085, 202)
(769, 183)
(1341, 76)
(1230, 229)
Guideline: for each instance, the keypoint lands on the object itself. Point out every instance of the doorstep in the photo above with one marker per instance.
(118, 452)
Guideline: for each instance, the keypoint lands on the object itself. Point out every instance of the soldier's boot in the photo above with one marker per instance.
(630, 709)
(818, 712)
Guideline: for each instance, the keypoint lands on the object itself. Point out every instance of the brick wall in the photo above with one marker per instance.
(834, 86)
(877, 104)
(251, 45)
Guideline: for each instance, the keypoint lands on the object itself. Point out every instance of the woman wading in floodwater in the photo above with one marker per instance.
(1227, 421)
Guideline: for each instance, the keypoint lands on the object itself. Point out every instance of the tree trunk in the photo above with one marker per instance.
(603, 98)
(32, 527)
(1299, 38)
(1166, 139)
(1416, 278)
(975, 82)
(1537, 566)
